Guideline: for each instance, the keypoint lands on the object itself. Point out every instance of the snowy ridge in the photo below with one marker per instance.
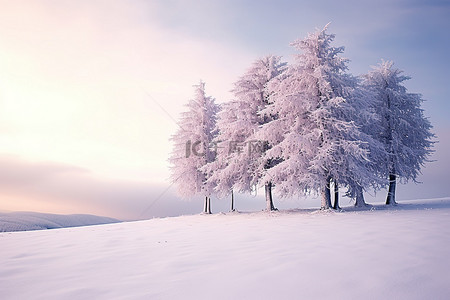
(21, 221)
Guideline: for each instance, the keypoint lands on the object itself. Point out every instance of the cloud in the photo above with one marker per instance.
(60, 188)
(15, 172)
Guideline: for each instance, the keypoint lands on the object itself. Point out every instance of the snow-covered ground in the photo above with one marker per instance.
(20, 221)
(396, 253)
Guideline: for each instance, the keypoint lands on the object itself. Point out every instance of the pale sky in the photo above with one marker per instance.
(89, 90)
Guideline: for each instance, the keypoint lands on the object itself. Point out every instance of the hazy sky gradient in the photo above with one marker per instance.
(89, 89)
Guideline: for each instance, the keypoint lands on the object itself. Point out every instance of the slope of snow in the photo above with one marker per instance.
(396, 253)
(20, 221)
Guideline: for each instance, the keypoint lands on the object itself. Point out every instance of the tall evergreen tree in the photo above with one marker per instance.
(368, 122)
(240, 164)
(193, 147)
(405, 132)
(314, 134)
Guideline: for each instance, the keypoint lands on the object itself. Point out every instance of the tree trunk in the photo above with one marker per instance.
(326, 196)
(232, 201)
(269, 200)
(336, 195)
(390, 200)
(209, 205)
(205, 208)
(360, 202)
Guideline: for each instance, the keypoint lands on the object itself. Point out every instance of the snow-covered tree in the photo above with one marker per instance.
(369, 125)
(193, 147)
(240, 164)
(405, 132)
(314, 133)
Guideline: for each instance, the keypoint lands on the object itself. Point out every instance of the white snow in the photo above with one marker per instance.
(384, 253)
(20, 221)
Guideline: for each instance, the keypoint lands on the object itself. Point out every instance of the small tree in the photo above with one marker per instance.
(192, 147)
(240, 164)
(222, 172)
(405, 132)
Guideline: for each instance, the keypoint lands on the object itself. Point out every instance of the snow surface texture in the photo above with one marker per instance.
(20, 221)
(380, 253)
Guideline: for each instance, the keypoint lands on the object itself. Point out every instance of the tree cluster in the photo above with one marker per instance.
(309, 127)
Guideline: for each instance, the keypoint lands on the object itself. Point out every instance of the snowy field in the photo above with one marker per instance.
(20, 221)
(396, 253)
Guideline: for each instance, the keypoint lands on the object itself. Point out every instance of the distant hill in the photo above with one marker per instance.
(22, 221)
